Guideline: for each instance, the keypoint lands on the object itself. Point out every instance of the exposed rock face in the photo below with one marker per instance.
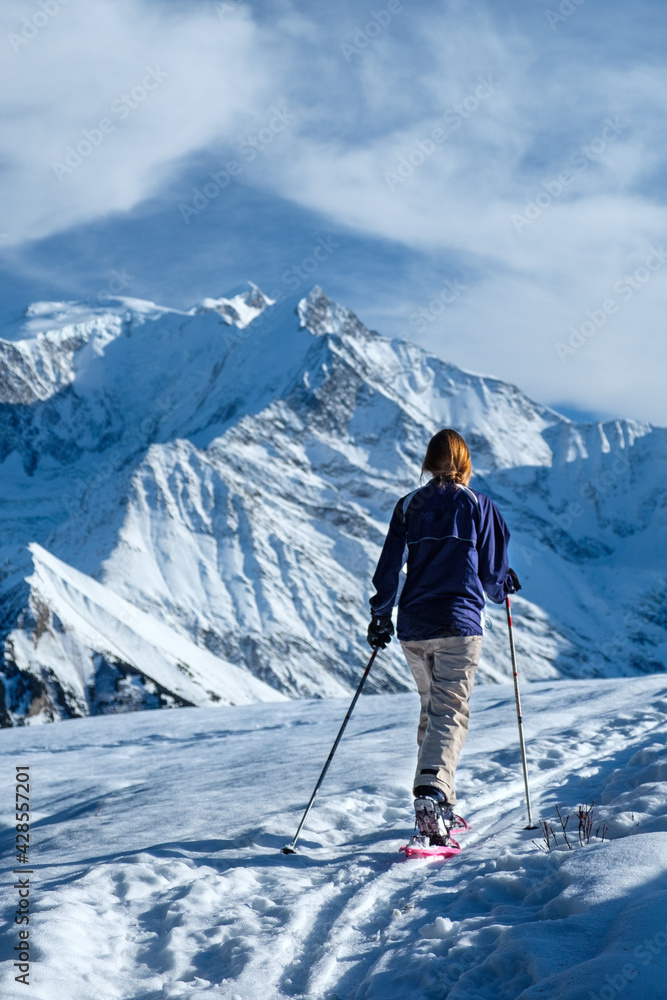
(205, 495)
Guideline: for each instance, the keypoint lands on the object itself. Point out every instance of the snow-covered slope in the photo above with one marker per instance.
(145, 664)
(229, 472)
(157, 872)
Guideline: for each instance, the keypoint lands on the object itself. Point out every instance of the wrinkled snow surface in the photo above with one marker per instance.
(158, 873)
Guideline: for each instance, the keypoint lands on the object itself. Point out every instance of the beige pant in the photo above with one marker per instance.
(444, 671)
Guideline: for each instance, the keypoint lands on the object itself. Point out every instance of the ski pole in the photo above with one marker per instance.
(522, 741)
(291, 848)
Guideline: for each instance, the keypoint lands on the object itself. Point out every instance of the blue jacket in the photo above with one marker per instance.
(454, 541)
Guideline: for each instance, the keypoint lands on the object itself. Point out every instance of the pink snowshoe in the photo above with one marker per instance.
(460, 825)
(435, 822)
(420, 847)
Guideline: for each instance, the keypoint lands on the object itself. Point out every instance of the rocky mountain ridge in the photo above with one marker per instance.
(193, 504)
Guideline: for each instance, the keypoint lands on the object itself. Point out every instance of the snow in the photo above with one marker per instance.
(240, 309)
(230, 471)
(158, 874)
(108, 623)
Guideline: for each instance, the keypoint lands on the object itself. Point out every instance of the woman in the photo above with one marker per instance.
(454, 541)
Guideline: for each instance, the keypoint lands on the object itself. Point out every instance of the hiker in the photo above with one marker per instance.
(454, 541)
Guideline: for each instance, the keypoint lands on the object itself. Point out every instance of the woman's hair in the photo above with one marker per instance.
(447, 456)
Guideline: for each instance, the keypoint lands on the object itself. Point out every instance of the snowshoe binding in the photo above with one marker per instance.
(434, 822)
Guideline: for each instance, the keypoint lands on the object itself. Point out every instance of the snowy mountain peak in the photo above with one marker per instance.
(241, 309)
(321, 315)
(226, 474)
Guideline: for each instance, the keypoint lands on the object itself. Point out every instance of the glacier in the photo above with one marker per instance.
(193, 503)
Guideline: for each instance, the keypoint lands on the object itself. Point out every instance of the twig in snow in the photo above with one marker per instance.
(585, 830)
(564, 827)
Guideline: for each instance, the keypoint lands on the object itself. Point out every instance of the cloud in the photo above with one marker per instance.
(541, 189)
(168, 83)
(444, 131)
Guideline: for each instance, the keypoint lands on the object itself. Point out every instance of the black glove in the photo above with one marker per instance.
(380, 632)
(513, 582)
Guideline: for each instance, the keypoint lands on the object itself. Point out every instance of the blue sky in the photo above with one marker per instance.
(487, 179)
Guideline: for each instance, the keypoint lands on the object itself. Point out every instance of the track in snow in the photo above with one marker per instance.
(157, 843)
